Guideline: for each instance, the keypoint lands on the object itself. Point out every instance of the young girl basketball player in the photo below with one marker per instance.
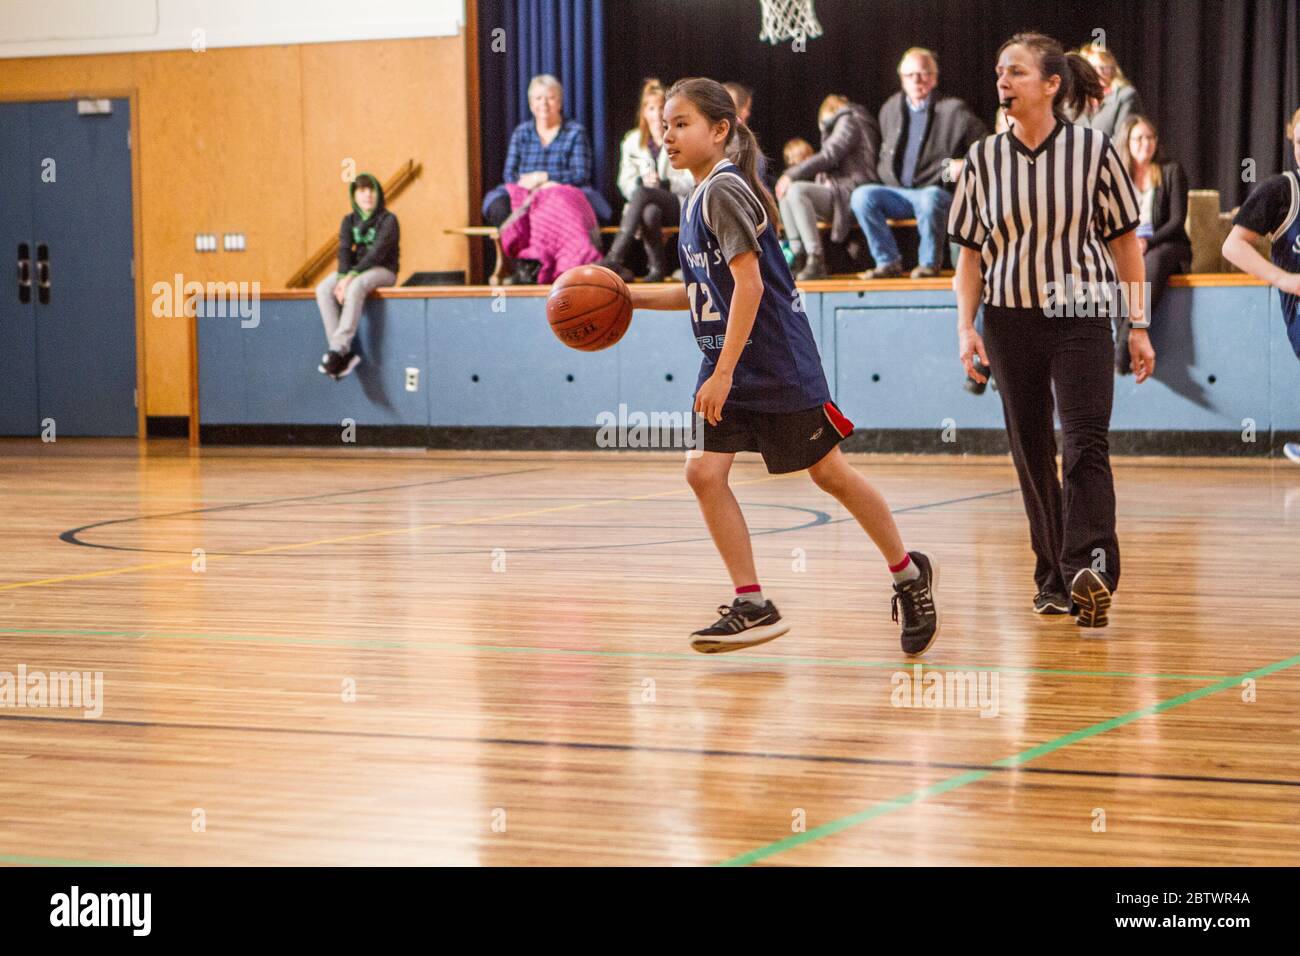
(761, 386)
(1273, 209)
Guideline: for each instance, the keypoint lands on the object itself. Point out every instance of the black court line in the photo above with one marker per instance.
(679, 751)
(753, 534)
(820, 518)
(70, 536)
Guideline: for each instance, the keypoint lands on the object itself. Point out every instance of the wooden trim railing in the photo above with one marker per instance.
(310, 269)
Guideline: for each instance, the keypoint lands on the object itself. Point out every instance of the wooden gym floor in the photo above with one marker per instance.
(437, 658)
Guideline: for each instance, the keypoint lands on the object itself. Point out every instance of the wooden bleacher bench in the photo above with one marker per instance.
(493, 233)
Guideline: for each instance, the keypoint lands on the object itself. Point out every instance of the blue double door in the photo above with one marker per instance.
(67, 306)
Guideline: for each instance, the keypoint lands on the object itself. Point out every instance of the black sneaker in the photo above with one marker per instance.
(742, 625)
(525, 273)
(350, 361)
(892, 270)
(622, 271)
(337, 364)
(1051, 602)
(814, 268)
(330, 363)
(920, 616)
(1091, 594)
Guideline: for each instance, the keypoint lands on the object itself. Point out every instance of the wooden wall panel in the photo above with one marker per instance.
(379, 105)
(251, 139)
(221, 137)
(39, 77)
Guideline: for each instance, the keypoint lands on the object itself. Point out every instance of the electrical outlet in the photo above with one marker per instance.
(412, 379)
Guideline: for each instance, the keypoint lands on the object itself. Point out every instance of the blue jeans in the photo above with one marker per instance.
(873, 204)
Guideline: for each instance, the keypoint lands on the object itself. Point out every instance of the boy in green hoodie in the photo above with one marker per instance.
(368, 259)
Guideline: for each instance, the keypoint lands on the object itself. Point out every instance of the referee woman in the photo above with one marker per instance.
(1046, 217)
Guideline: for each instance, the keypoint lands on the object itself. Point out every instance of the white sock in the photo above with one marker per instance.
(753, 597)
(908, 572)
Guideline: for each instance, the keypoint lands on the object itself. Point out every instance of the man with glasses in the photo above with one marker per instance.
(924, 135)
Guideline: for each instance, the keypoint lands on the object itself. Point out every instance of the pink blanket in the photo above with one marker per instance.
(553, 225)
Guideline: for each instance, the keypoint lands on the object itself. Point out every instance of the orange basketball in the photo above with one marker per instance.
(589, 308)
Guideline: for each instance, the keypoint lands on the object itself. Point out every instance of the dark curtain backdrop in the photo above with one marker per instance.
(565, 38)
(1219, 77)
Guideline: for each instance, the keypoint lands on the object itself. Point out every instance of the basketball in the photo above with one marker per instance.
(589, 308)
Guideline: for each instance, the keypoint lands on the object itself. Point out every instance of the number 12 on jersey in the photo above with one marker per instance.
(701, 311)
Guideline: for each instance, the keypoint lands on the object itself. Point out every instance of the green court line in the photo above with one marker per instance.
(445, 646)
(1016, 760)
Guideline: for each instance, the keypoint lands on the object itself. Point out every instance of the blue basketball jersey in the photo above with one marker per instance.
(1286, 255)
(779, 369)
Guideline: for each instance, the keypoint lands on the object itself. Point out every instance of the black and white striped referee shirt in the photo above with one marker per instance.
(1043, 216)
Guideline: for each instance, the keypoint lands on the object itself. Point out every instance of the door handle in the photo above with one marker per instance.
(24, 273)
(42, 273)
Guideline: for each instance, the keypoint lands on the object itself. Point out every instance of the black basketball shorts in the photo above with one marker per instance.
(788, 441)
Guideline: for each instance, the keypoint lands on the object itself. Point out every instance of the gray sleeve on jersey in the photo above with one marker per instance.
(734, 216)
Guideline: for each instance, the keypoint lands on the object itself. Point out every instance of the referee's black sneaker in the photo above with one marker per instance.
(1051, 602)
(742, 625)
(1091, 594)
(920, 615)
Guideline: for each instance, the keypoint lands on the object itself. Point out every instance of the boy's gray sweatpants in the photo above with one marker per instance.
(341, 324)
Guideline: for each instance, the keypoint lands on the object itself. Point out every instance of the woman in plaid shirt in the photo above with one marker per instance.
(545, 151)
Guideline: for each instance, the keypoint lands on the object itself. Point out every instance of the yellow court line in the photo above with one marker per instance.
(181, 562)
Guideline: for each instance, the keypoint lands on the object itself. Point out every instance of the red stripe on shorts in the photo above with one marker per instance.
(837, 419)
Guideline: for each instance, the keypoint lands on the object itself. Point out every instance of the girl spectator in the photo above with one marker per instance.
(652, 188)
(1119, 99)
(1162, 192)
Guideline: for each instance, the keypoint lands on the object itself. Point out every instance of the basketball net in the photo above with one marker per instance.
(787, 20)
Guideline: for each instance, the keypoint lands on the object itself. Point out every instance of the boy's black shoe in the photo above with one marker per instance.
(337, 364)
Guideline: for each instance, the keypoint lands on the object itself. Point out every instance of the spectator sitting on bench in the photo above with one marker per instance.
(794, 152)
(544, 151)
(923, 139)
(819, 187)
(368, 258)
(1162, 192)
(1120, 99)
(653, 189)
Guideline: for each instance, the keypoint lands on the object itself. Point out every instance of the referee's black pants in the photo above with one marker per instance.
(1071, 521)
